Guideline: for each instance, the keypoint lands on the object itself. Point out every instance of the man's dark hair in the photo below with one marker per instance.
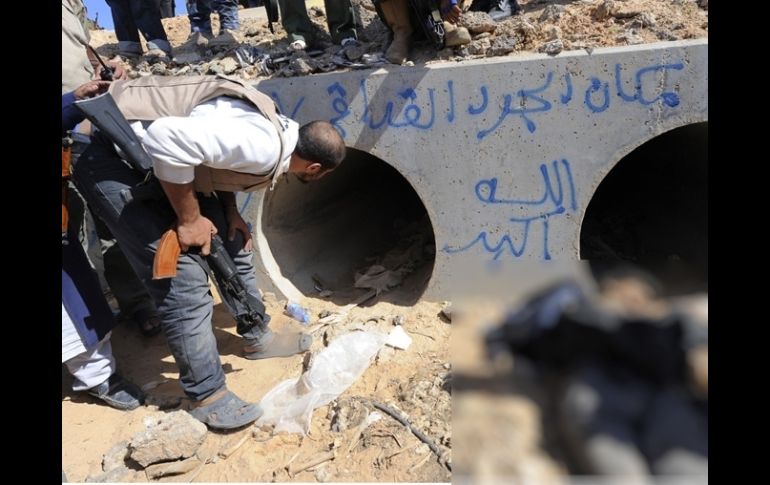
(320, 142)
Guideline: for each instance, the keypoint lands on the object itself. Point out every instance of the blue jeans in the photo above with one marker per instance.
(184, 303)
(199, 13)
(132, 16)
(133, 300)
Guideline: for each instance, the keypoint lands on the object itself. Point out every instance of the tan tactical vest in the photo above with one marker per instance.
(152, 97)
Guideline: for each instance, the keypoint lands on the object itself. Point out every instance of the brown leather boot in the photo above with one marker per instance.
(396, 14)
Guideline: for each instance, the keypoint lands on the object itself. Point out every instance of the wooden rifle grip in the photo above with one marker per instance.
(66, 156)
(164, 264)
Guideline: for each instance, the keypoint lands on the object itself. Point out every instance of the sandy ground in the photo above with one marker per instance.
(412, 380)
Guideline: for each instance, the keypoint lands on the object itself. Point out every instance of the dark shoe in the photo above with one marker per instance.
(149, 327)
(118, 393)
(503, 9)
(225, 410)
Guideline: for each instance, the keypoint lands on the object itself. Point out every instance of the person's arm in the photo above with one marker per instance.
(450, 11)
(234, 220)
(70, 115)
(119, 71)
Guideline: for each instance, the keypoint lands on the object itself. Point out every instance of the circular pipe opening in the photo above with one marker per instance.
(363, 217)
(652, 210)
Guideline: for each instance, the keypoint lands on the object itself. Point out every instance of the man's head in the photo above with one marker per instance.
(320, 149)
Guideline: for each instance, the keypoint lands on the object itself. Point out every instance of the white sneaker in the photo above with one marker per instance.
(298, 45)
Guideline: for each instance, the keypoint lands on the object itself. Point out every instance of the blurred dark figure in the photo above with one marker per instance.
(633, 373)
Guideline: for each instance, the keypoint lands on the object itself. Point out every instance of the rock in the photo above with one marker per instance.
(625, 13)
(253, 31)
(477, 22)
(552, 12)
(553, 47)
(479, 47)
(520, 25)
(630, 37)
(647, 19)
(483, 35)
(167, 436)
(399, 320)
(317, 11)
(457, 37)
(322, 474)
(215, 68)
(300, 66)
(664, 34)
(229, 65)
(604, 10)
(347, 414)
(183, 70)
(703, 4)
(501, 47)
(115, 457)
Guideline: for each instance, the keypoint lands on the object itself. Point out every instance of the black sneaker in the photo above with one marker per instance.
(118, 393)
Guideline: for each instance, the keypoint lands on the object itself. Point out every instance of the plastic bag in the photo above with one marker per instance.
(290, 404)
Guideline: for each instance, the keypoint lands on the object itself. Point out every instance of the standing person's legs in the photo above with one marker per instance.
(261, 343)
(93, 366)
(341, 20)
(129, 44)
(167, 9)
(228, 14)
(296, 22)
(146, 14)
(184, 302)
(199, 13)
(94, 372)
(86, 324)
(134, 301)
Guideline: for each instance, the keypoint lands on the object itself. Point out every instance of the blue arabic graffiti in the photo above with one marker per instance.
(416, 107)
(558, 198)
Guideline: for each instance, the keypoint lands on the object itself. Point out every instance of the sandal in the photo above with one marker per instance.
(225, 410)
